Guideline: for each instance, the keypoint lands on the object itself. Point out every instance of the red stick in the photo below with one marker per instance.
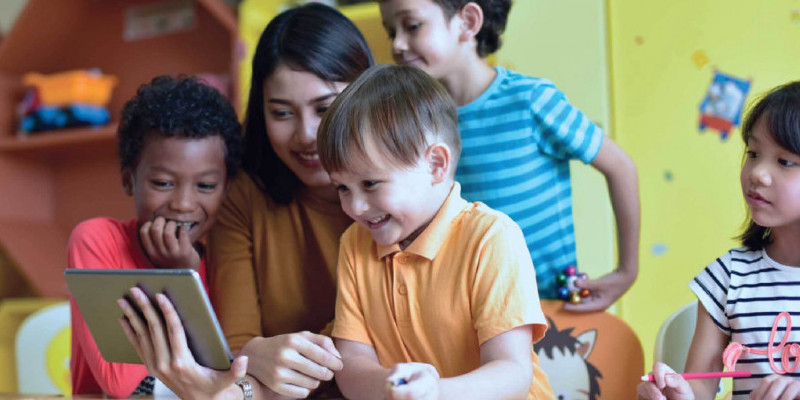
(705, 375)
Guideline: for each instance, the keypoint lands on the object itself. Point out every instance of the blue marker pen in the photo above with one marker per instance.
(399, 382)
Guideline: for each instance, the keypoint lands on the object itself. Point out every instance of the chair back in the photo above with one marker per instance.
(675, 336)
(43, 351)
(590, 356)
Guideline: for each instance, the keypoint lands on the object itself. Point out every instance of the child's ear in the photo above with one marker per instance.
(439, 158)
(127, 181)
(471, 20)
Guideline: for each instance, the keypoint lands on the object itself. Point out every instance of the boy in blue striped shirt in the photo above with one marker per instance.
(518, 135)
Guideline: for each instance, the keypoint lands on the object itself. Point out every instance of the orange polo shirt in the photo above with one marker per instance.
(465, 279)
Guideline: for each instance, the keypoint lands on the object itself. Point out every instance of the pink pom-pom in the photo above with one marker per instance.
(571, 270)
(731, 355)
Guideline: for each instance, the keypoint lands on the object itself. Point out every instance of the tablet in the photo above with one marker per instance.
(96, 292)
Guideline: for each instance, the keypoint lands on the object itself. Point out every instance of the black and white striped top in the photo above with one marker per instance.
(744, 291)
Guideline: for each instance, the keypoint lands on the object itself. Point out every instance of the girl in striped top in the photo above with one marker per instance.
(749, 295)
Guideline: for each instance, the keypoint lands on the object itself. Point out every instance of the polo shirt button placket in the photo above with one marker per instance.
(402, 289)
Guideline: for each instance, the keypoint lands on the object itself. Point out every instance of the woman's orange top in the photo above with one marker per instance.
(273, 266)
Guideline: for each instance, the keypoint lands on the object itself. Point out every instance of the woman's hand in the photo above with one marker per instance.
(293, 365)
(668, 385)
(165, 353)
(412, 381)
(167, 245)
(775, 387)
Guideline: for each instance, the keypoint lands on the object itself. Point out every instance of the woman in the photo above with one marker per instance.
(274, 248)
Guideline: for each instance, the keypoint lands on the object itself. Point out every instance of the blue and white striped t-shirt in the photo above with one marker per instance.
(517, 140)
(743, 291)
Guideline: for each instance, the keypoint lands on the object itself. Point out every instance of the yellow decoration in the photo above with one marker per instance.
(57, 360)
(700, 58)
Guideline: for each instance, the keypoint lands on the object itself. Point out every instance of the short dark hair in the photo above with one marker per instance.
(781, 108)
(495, 16)
(181, 107)
(399, 107)
(314, 38)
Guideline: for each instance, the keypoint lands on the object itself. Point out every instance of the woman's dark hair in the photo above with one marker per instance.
(781, 108)
(313, 38)
(181, 107)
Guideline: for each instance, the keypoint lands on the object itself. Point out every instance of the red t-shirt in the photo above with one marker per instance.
(104, 243)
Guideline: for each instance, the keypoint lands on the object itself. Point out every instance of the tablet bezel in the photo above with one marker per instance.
(96, 292)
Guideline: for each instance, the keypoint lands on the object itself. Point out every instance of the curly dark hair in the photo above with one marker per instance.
(180, 107)
(495, 16)
(781, 109)
(314, 38)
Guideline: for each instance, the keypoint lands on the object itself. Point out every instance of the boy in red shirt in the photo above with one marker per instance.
(179, 144)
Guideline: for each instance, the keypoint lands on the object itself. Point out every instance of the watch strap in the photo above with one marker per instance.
(247, 389)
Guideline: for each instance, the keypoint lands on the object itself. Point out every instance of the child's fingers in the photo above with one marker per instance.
(420, 386)
(154, 328)
(156, 233)
(134, 340)
(648, 391)
(660, 371)
(594, 302)
(144, 236)
(139, 330)
(175, 331)
(677, 386)
(406, 373)
(791, 391)
(770, 388)
(586, 283)
(184, 242)
(170, 238)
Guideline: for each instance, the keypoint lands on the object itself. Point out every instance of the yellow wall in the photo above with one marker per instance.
(657, 88)
(254, 15)
(577, 63)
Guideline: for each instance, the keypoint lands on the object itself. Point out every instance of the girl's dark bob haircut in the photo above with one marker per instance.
(781, 110)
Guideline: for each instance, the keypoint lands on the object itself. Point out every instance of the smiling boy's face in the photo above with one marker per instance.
(180, 179)
(395, 203)
(422, 36)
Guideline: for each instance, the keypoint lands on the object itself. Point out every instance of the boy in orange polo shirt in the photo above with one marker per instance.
(436, 296)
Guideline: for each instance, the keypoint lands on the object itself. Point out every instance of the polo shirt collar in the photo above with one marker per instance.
(428, 243)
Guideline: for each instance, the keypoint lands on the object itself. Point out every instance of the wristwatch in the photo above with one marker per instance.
(247, 389)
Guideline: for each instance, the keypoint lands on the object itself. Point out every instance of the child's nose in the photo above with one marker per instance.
(760, 175)
(182, 200)
(358, 205)
(399, 45)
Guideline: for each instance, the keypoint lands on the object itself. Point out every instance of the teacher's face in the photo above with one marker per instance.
(294, 102)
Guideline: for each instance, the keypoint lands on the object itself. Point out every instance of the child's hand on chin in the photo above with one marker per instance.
(668, 385)
(167, 245)
(776, 387)
(412, 381)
